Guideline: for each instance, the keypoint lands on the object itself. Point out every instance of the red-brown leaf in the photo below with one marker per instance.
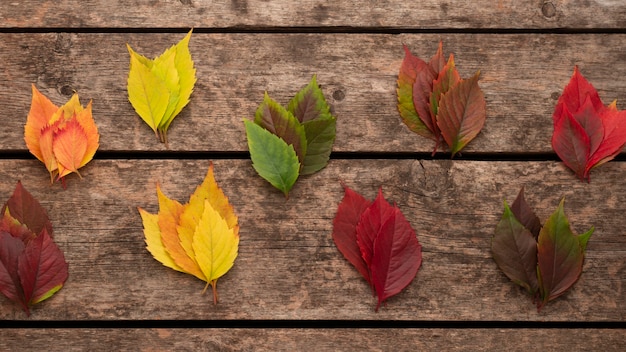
(369, 226)
(24, 208)
(10, 249)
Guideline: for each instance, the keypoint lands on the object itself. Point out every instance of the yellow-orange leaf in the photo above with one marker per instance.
(153, 240)
(41, 109)
(200, 238)
(168, 217)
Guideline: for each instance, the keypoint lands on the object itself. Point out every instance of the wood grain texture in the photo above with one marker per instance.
(428, 14)
(522, 76)
(312, 339)
(288, 266)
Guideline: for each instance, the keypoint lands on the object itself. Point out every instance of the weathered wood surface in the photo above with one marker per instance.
(522, 76)
(311, 340)
(288, 266)
(399, 14)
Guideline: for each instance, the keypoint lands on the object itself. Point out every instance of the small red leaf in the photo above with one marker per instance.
(574, 95)
(10, 249)
(397, 256)
(344, 229)
(369, 226)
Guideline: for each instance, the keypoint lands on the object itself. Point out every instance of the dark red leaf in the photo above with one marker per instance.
(10, 249)
(571, 144)
(525, 215)
(422, 90)
(26, 209)
(42, 269)
(344, 229)
(397, 256)
(369, 226)
(614, 137)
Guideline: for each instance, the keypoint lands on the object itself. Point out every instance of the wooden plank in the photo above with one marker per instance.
(428, 14)
(317, 339)
(522, 76)
(288, 266)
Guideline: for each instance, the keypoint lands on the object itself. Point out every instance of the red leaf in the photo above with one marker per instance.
(344, 229)
(525, 215)
(397, 256)
(586, 133)
(369, 226)
(42, 269)
(24, 208)
(378, 241)
(462, 113)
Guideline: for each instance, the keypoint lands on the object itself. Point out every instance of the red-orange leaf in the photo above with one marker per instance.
(70, 146)
(586, 133)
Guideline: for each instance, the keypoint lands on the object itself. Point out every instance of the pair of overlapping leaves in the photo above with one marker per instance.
(377, 239)
(436, 103)
(586, 134)
(32, 267)
(159, 89)
(286, 143)
(545, 260)
(200, 238)
(63, 138)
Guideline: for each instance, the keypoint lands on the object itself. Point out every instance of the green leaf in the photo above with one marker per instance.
(515, 251)
(320, 136)
(309, 104)
(406, 79)
(272, 158)
(280, 122)
(560, 256)
(462, 113)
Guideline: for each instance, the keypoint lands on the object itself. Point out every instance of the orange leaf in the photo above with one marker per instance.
(47, 153)
(168, 217)
(41, 110)
(70, 146)
(85, 120)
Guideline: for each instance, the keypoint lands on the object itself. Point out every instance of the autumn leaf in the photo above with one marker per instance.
(63, 138)
(434, 102)
(32, 267)
(546, 260)
(159, 89)
(305, 129)
(586, 134)
(380, 243)
(200, 238)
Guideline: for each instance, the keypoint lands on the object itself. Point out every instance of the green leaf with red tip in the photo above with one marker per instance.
(306, 125)
(560, 256)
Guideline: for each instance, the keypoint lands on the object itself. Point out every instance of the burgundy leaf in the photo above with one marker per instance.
(397, 256)
(369, 226)
(571, 144)
(525, 215)
(10, 249)
(344, 229)
(42, 269)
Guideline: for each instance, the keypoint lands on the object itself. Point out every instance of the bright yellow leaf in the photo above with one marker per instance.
(215, 245)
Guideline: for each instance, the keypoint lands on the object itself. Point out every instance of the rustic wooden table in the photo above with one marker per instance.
(290, 288)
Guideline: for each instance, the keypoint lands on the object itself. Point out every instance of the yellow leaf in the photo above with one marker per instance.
(215, 245)
(85, 120)
(168, 217)
(153, 240)
(147, 93)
